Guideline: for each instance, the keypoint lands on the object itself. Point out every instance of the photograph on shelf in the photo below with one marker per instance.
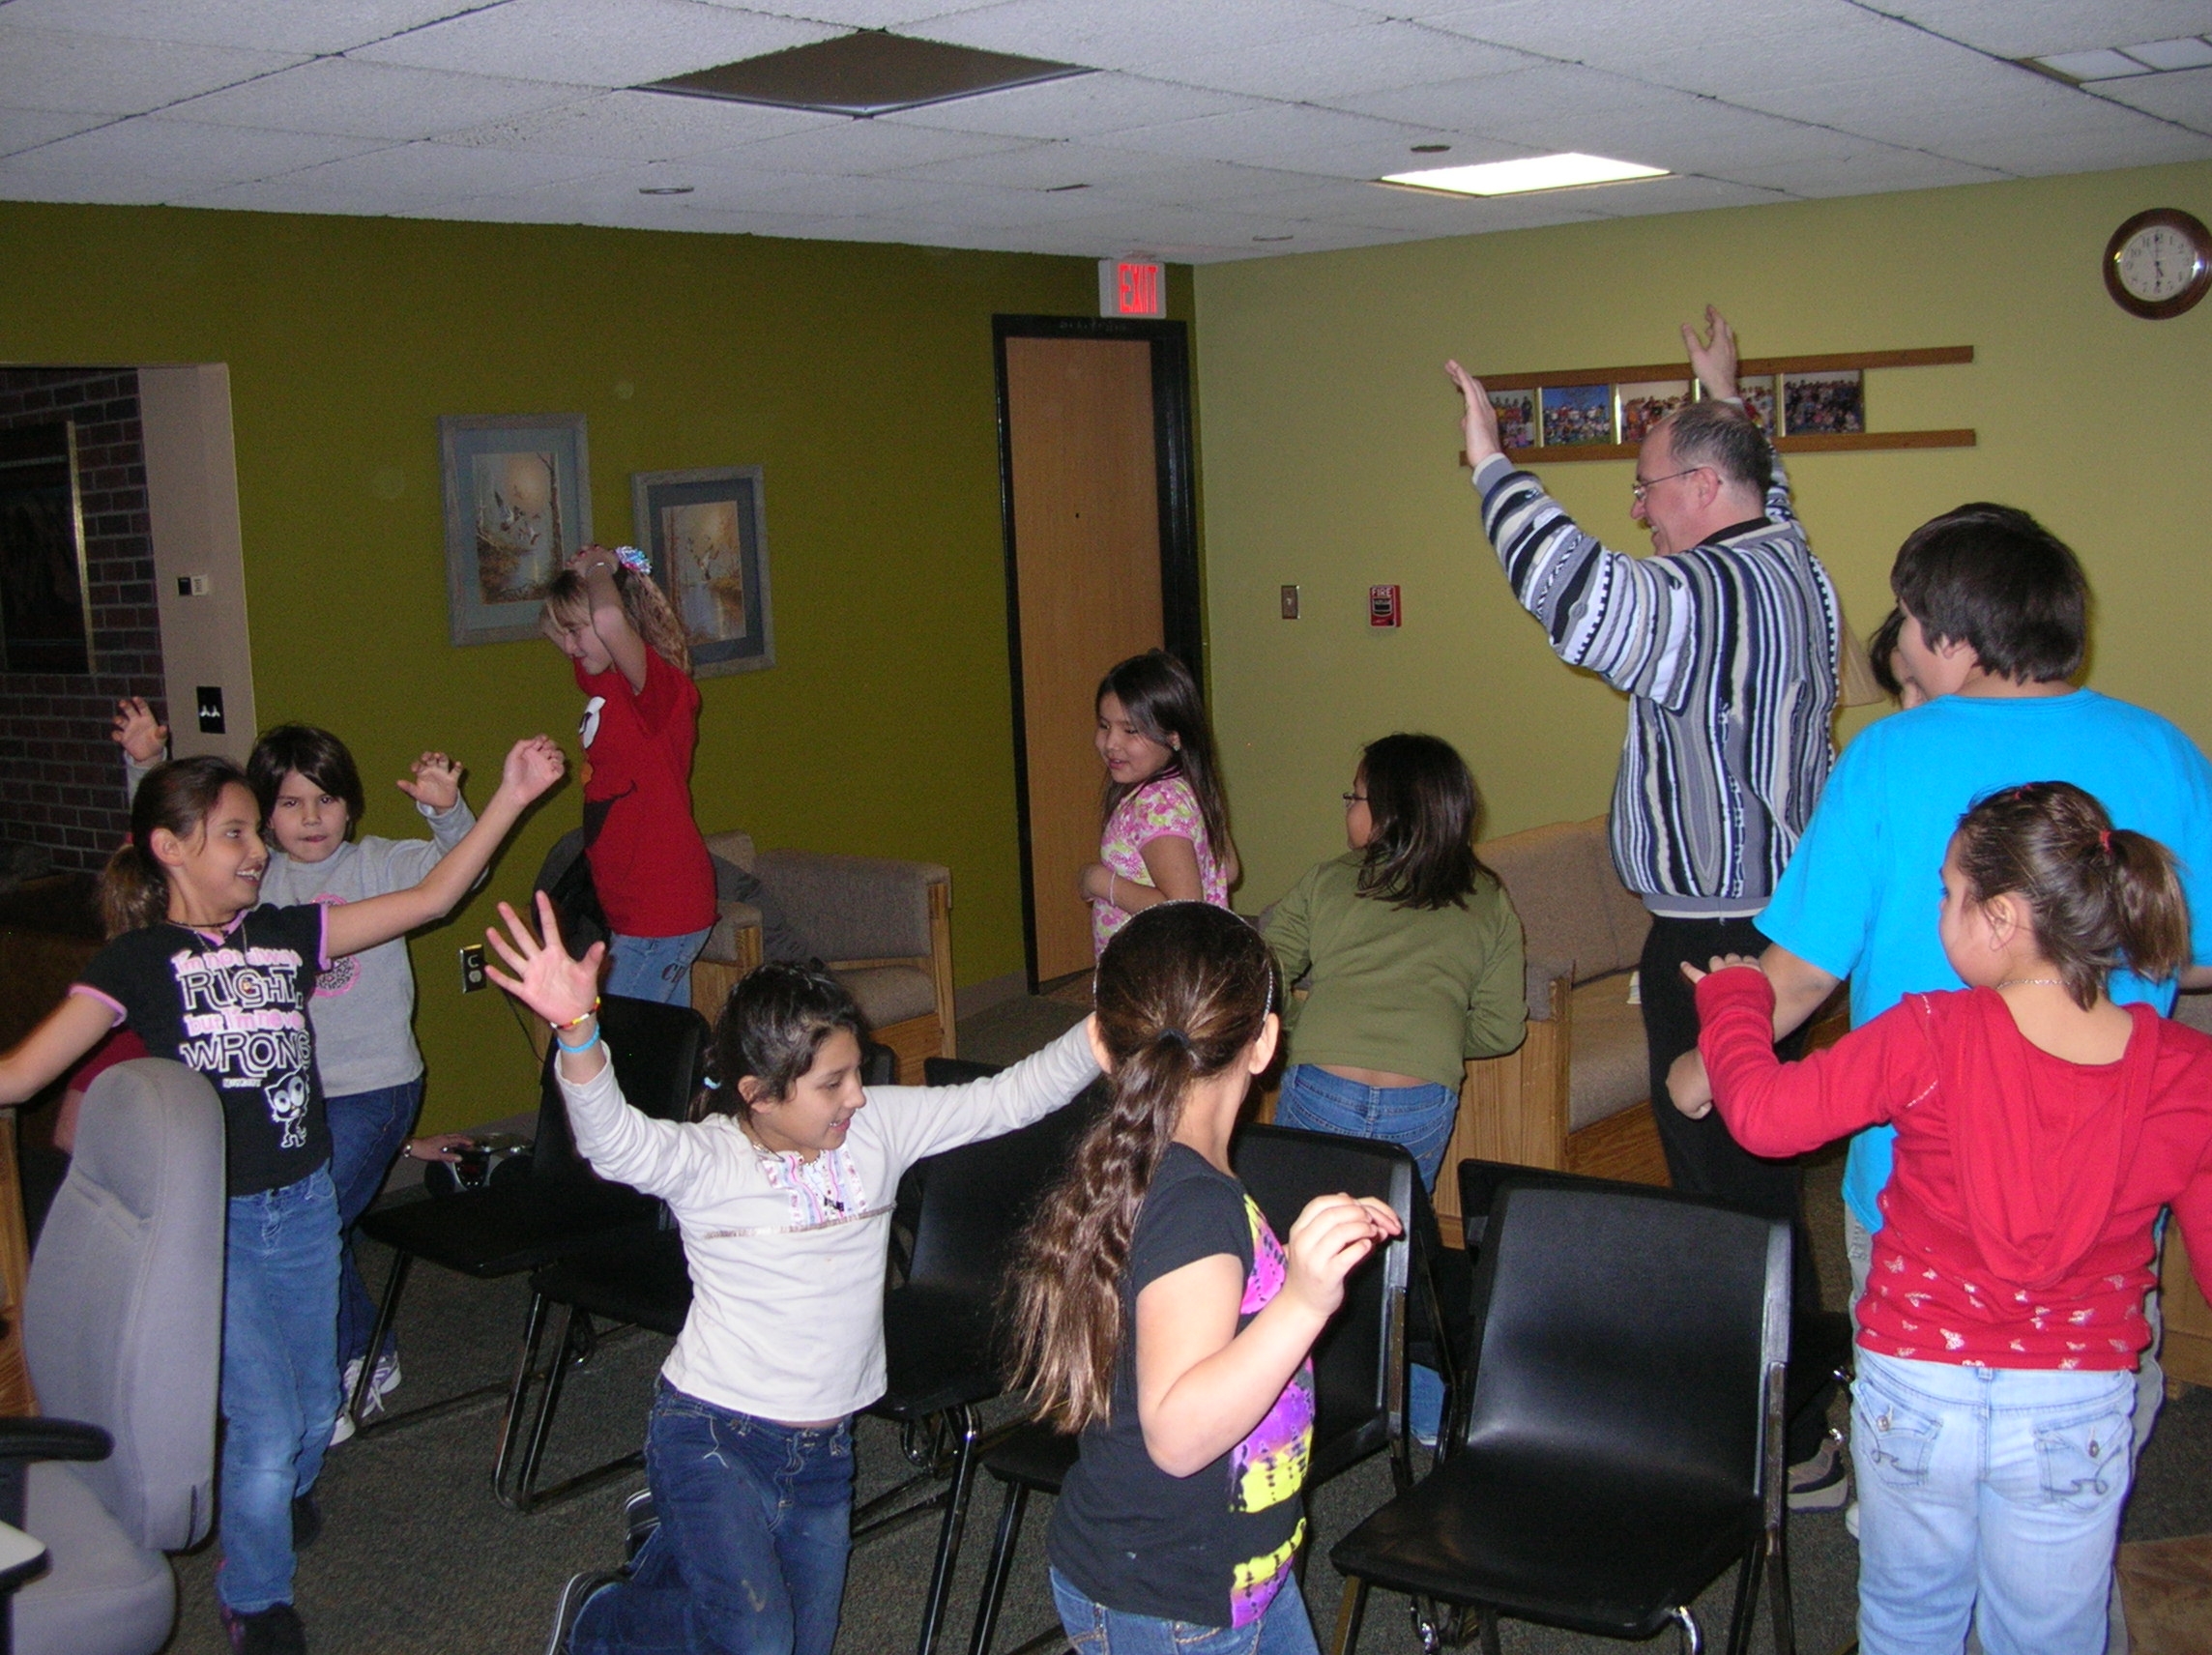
(518, 507)
(1641, 406)
(1516, 418)
(1757, 393)
(1819, 404)
(1577, 414)
(706, 536)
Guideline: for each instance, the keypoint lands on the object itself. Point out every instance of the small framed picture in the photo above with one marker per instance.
(1758, 393)
(707, 535)
(1516, 418)
(1641, 406)
(1815, 404)
(518, 507)
(1577, 414)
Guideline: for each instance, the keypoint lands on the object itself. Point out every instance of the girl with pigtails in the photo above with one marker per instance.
(2039, 1130)
(1160, 1318)
(649, 865)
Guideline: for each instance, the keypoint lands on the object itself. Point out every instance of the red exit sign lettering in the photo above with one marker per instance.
(1132, 287)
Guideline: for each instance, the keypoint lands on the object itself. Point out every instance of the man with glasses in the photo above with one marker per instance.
(1728, 644)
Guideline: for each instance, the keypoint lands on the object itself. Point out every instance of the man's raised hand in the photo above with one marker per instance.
(1478, 421)
(1712, 354)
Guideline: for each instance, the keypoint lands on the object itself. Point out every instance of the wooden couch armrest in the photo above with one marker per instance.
(1514, 1108)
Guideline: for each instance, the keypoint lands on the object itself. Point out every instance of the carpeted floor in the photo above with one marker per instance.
(417, 1557)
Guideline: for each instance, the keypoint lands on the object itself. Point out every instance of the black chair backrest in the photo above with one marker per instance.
(974, 1201)
(1283, 1169)
(1480, 1181)
(659, 1054)
(1630, 1330)
(955, 1071)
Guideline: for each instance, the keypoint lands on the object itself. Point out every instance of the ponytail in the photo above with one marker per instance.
(134, 887)
(2101, 897)
(645, 606)
(1182, 990)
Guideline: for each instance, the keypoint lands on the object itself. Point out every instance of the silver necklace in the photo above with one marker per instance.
(2035, 982)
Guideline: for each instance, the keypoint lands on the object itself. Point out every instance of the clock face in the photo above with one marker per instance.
(2158, 263)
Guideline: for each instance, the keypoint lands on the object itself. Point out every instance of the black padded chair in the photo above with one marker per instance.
(1359, 1361)
(559, 1206)
(1623, 1445)
(635, 1279)
(1820, 1345)
(941, 1339)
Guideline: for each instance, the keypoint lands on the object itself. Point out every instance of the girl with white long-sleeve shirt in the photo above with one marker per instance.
(784, 1198)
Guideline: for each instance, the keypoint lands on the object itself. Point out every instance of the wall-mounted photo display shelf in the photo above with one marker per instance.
(1819, 404)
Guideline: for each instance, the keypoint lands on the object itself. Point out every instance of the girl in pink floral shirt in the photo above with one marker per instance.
(1165, 836)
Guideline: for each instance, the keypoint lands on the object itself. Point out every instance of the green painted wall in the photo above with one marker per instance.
(859, 376)
(1330, 442)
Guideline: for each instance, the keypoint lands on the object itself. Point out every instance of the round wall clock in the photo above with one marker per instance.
(2159, 263)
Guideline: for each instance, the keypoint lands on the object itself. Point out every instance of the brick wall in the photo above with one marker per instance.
(61, 778)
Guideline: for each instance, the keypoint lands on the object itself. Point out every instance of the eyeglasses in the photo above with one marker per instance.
(1355, 798)
(1643, 485)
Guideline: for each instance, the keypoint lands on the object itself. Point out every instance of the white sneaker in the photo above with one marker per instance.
(1851, 1520)
(382, 1383)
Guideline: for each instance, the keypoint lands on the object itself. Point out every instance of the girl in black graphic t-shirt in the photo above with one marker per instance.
(208, 979)
(1161, 1319)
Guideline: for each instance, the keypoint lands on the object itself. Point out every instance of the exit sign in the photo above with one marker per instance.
(1132, 287)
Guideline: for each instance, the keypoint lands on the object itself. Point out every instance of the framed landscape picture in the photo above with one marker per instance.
(518, 507)
(1576, 414)
(707, 535)
(1644, 405)
(1818, 403)
(1516, 418)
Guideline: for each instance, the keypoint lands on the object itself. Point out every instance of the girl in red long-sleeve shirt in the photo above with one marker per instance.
(2040, 1131)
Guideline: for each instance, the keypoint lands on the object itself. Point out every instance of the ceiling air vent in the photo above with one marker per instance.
(867, 73)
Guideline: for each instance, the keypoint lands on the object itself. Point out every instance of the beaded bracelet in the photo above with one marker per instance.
(578, 1018)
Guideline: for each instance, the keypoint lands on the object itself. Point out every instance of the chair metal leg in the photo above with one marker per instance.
(962, 1419)
(1351, 1610)
(1693, 1639)
(1489, 1631)
(1746, 1610)
(387, 1313)
(1002, 1566)
(578, 1339)
(1783, 1610)
(518, 1394)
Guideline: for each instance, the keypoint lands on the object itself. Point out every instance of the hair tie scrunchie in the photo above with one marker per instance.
(1175, 1035)
(633, 560)
(2105, 840)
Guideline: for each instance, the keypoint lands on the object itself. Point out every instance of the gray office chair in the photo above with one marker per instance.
(122, 1329)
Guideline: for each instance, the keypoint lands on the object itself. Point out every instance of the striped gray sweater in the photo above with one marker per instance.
(1728, 653)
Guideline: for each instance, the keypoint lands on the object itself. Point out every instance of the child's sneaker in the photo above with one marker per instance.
(381, 1384)
(580, 1590)
(1823, 1482)
(271, 1631)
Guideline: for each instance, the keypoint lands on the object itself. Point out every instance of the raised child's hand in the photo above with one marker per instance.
(1334, 1234)
(437, 783)
(141, 736)
(1724, 963)
(532, 764)
(546, 980)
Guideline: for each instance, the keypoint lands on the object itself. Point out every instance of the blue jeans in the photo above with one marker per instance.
(750, 1556)
(279, 1377)
(654, 968)
(1987, 1493)
(367, 1130)
(1094, 1629)
(1419, 1117)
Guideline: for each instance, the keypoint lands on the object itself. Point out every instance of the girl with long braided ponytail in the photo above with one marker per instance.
(2039, 1130)
(1159, 1317)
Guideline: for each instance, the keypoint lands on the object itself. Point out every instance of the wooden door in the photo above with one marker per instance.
(1085, 511)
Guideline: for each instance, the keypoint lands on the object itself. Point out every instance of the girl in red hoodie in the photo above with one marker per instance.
(2039, 1130)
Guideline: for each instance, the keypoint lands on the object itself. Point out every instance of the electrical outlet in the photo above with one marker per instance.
(471, 967)
(1290, 603)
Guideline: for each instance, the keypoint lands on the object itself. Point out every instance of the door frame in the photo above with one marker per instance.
(1181, 625)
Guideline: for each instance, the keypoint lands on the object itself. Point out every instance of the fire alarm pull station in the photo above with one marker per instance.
(1382, 608)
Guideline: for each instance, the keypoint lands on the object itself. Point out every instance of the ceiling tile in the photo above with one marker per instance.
(1086, 106)
(591, 43)
(859, 147)
(1040, 166)
(1214, 184)
(373, 101)
(639, 126)
(24, 128)
(1126, 34)
(166, 152)
(2039, 28)
(98, 74)
(1292, 135)
(442, 171)
(1371, 56)
(2185, 96)
(313, 26)
(1871, 171)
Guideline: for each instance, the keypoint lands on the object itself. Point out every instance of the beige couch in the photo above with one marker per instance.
(884, 928)
(1574, 1096)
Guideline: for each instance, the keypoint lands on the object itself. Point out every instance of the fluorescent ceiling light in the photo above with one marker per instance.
(2119, 63)
(1520, 177)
